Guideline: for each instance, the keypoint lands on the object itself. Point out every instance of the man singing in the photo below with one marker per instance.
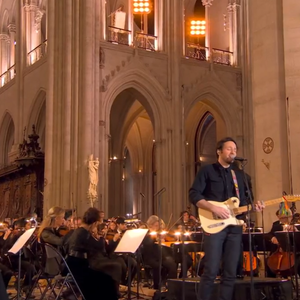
(217, 182)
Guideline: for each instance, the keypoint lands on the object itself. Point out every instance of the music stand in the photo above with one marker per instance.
(17, 249)
(129, 244)
(258, 242)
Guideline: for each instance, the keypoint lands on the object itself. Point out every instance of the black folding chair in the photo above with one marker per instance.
(65, 277)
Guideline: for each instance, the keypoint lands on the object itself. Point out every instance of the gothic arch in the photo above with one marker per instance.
(7, 132)
(37, 117)
(153, 97)
(13, 12)
(4, 21)
(221, 103)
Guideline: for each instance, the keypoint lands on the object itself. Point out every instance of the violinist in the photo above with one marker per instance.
(82, 256)
(5, 270)
(49, 233)
(12, 260)
(120, 230)
(186, 220)
(151, 253)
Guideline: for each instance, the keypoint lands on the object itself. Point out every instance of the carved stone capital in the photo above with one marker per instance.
(207, 3)
(37, 19)
(12, 27)
(4, 37)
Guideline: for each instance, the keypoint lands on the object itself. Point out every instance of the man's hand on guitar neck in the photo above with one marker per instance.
(259, 206)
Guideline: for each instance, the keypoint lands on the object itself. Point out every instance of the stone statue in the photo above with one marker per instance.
(93, 166)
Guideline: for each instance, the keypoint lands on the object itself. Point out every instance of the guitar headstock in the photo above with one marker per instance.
(292, 198)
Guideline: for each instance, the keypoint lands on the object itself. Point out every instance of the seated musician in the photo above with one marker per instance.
(282, 224)
(82, 253)
(121, 227)
(151, 253)
(12, 260)
(186, 220)
(5, 270)
(49, 233)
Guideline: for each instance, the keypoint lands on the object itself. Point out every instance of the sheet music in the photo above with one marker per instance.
(131, 240)
(22, 240)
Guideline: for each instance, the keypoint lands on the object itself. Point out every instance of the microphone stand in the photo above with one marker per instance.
(251, 203)
(159, 195)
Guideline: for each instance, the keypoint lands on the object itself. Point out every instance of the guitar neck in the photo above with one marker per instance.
(243, 209)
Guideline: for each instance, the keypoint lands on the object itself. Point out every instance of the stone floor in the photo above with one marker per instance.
(145, 293)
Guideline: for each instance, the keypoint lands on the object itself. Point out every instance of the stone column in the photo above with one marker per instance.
(268, 99)
(4, 55)
(158, 25)
(12, 34)
(233, 9)
(88, 91)
(171, 148)
(207, 4)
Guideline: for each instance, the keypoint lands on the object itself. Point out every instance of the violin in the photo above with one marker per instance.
(63, 230)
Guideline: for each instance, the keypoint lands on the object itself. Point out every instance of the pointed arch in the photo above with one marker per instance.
(37, 116)
(153, 97)
(4, 21)
(221, 103)
(7, 134)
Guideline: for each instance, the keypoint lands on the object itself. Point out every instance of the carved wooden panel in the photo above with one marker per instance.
(18, 196)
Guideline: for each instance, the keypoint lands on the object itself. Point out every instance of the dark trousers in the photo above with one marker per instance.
(225, 246)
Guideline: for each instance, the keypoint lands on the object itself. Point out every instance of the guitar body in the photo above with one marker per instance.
(212, 224)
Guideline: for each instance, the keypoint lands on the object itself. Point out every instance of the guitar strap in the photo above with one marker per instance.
(236, 186)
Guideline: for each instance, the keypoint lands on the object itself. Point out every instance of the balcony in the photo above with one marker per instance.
(8, 75)
(145, 41)
(196, 51)
(118, 36)
(222, 57)
(218, 56)
(37, 53)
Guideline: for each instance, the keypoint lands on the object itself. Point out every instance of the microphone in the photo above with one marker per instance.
(239, 158)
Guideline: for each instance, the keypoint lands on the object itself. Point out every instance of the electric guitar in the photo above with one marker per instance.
(213, 224)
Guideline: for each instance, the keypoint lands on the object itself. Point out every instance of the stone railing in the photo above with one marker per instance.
(8, 75)
(37, 53)
(216, 56)
(222, 57)
(118, 35)
(196, 51)
(145, 41)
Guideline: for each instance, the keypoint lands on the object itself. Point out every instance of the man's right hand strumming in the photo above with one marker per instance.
(220, 212)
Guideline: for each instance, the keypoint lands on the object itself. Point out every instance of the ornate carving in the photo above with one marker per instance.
(101, 58)
(207, 3)
(268, 145)
(93, 166)
(12, 27)
(32, 148)
(4, 37)
(37, 19)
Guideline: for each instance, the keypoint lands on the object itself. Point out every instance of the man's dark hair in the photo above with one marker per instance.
(91, 216)
(220, 144)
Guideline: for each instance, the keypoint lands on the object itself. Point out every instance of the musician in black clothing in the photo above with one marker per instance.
(218, 182)
(81, 249)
